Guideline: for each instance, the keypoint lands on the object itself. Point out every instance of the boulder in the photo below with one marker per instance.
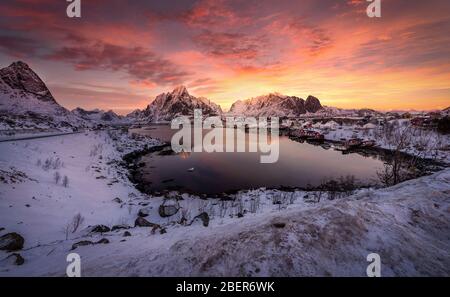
(141, 222)
(82, 243)
(204, 217)
(279, 225)
(11, 242)
(144, 212)
(117, 200)
(168, 208)
(126, 234)
(120, 227)
(18, 259)
(100, 229)
(13, 259)
(102, 241)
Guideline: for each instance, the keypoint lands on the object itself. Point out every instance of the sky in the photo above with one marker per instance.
(120, 54)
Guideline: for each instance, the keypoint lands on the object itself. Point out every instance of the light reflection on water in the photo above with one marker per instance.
(299, 165)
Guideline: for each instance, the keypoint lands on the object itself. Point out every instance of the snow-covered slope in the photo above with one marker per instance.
(167, 106)
(275, 104)
(302, 238)
(26, 102)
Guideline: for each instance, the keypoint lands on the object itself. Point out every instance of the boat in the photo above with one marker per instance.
(353, 143)
(368, 143)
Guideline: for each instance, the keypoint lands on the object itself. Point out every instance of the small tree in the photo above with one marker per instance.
(57, 177)
(65, 181)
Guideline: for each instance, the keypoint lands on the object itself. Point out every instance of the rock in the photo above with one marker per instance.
(117, 199)
(312, 104)
(19, 260)
(88, 242)
(126, 234)
(100, 229)
(168, 208)
(141, 222)
(240, 215)
(82, 243)
(144, 212)
(204, 217)
(1, 229)
(279, 225)
(11, 242)
(120, 227)
(12, 259)
(158, 227)
(102, 241)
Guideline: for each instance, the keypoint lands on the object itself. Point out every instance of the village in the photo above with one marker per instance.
(364, 130)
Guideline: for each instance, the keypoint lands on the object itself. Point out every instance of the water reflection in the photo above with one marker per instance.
(299, 165)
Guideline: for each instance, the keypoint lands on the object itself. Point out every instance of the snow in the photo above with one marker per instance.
(319, 238)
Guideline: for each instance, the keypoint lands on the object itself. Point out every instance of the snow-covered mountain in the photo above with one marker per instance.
(26, 102)
(167, 106)
(276, 104)
(99, 116)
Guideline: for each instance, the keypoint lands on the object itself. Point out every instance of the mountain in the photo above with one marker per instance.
(446, 111)
(276, 104)
(99, 116)
(167, 106)
(26, 102)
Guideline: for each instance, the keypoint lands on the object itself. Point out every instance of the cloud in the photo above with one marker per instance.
(230, 45)
(18, 46)
(140, 63)
(212, 13)
(408, 47)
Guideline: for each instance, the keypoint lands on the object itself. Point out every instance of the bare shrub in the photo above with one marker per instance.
(57, 177)
(72, 226)
(65, 181)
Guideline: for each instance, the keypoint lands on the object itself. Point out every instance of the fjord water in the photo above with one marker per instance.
(299, 165)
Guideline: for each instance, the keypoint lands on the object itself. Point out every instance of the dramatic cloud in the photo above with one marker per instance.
(138, 62)
(231, 45)
(233, 49)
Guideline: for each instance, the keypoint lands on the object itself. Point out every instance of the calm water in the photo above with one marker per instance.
(299, 165)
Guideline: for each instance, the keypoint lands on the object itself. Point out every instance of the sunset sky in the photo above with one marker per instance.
(120, 54)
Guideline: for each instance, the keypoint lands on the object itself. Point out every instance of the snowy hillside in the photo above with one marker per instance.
(167, 106)
(276, 104)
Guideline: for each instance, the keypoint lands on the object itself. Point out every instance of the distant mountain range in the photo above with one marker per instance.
(26, 102)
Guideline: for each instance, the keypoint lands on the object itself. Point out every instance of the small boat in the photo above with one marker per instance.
(352, 143)
(340, 148)
(326, 146)
(368, 143)
(191, 169)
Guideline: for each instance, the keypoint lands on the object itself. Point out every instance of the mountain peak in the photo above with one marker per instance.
(166, 106)
(275, 104)
(180, 91)
(19, 64)
(20, 77)
(312, 104)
